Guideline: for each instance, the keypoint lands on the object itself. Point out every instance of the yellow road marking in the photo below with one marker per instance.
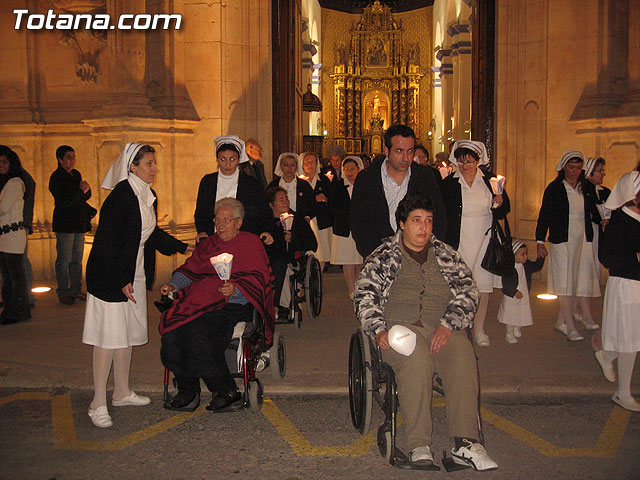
(606, 446)
(64, 430)
(64, 433)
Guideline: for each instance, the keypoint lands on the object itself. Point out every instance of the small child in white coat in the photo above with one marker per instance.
(515, 309)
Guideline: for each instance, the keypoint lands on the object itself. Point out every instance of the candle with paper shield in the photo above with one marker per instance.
(222, 264)
(402, 340)
(444, 170)
(497, 184)
(286, 219)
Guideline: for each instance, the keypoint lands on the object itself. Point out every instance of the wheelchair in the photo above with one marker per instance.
(245, 356)
(305, 284)
(370, 378)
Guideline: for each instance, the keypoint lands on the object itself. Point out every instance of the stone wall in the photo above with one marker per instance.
(175, 90)
(564, 84)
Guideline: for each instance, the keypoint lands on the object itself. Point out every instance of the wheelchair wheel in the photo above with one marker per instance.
(277, 357)
(384, 442)
(360, 382)
(313, 287)
(256, 395)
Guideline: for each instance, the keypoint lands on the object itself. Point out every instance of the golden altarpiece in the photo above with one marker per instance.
(376, 81)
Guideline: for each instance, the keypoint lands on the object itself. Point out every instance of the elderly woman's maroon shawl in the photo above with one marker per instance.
(250, 273)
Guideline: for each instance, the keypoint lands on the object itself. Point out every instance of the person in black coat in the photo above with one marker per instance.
(119, 270)
(472, 205)
(287, 175)
(71, 220)
(285, 246)
(229, 181)
(322, 222)
(379, 189)
(254, 167)
(567, 214)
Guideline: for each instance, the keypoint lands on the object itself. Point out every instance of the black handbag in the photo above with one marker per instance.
(499, 258)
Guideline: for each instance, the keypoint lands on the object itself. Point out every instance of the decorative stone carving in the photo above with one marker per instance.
(87, 42)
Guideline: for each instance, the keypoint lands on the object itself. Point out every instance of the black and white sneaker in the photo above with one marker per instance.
(473, 455)
(421, 455)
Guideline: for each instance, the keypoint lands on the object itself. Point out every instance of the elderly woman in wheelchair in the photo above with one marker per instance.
(199, 324)
(286, 247)
(421, 284)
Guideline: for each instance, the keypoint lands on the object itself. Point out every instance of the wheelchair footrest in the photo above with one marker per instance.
(450, 465)
(402, 461)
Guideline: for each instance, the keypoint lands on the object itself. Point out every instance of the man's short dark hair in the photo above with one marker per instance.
(395, 130)
(411, 202)
(62, 150)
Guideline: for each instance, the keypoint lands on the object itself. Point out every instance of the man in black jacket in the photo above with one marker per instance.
(379, 188)
(71, 219)
(255, 167)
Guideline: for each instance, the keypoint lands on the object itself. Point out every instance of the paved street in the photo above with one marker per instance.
(546, 409)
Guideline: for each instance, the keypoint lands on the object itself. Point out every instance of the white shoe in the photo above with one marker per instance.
(590, 326)
(577, 316)
(628, 403)
(131, 399)
(511, 338)
(574, 336)
(421, 455)
(607, 370)
(482, 340)
(474, 455)
(562, 328)
(517, 332)
(100, 417)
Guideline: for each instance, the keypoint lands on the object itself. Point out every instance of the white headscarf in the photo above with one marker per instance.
(358, 161)
(625, 190)
(478, 147)
(235, 141)
(278, 169)
(516, 244)
(568, 155)
(119, 169)
(588, 166)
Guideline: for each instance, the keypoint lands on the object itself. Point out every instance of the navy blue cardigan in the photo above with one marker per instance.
(112, 261)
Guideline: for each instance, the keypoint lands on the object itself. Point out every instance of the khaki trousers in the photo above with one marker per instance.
(455, 363)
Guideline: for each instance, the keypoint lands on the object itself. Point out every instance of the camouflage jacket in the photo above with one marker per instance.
(381, 269)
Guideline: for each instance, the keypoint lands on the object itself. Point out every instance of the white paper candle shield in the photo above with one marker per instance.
(605, 213)
(286, 219)
(402, 340)
(222, 264)
(497, 184)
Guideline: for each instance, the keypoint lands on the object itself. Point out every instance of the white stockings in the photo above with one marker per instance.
(102, 359)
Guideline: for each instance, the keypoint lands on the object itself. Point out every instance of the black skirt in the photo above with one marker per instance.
(196, 349)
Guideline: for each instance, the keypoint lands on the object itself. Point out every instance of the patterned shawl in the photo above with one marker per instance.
(250, 273)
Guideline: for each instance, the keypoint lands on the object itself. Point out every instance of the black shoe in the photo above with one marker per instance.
(184, 402)
(9, 320)
(223, 400)
(283, 314)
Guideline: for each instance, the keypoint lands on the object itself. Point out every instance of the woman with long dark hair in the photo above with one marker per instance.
(13, 239)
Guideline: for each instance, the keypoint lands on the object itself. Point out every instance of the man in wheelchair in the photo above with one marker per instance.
(198, 326)
(285, 247)
(415, 280)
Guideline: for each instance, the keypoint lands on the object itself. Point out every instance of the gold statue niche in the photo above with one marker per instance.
(376, 81)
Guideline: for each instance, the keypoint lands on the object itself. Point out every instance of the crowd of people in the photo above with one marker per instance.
(421, 229)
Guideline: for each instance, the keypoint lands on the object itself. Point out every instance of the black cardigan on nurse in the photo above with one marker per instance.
(452, 196)
(112, 261)
(554, 214)
(620, 245)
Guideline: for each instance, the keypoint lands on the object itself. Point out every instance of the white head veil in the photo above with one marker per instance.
(119, 170)
(624, 191)
(358, 161)
(236, 142)
(588, 166)
(278, 169)
(568, 155)
(478, 147)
